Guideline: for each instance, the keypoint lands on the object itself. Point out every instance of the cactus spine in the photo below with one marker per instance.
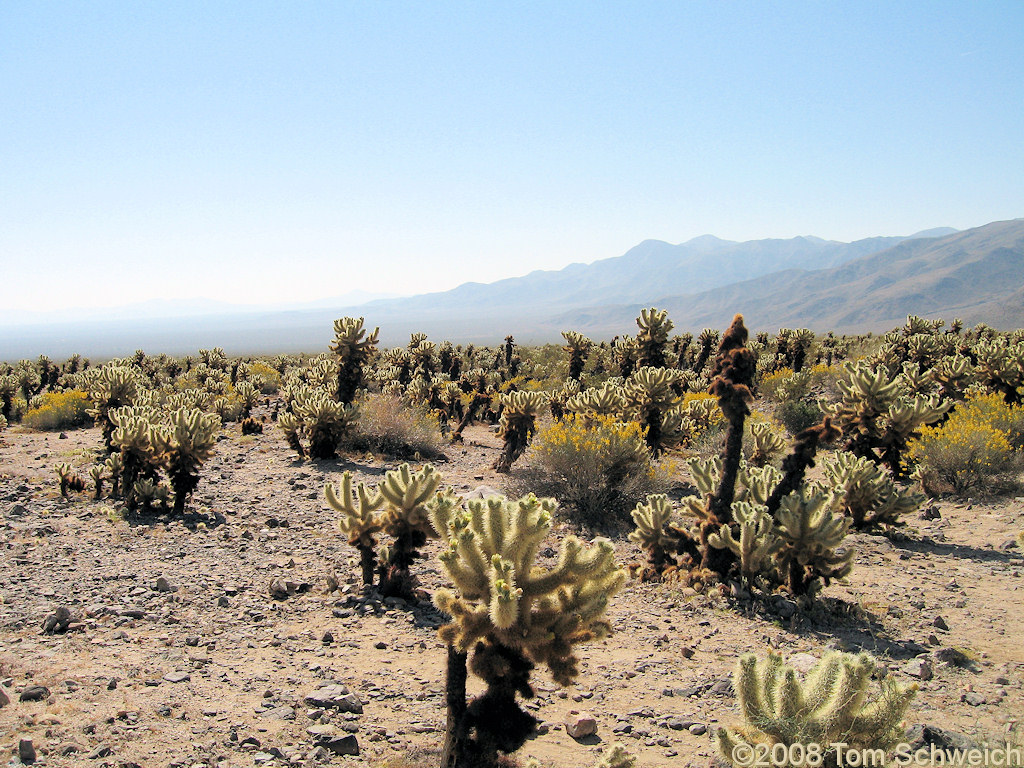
(830, 707)
(353, 351)
(511, 614)
(518, 423)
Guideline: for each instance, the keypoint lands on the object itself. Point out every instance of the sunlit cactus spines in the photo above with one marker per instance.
(810, 530)
(652, 337)
(1000, 366)
(756, 543)
(113, 387)
(405, 519)
(869, 496)
(185, 445)
(354, 349)
(518, 423)
(657, 535)
(512, 614)
(832, 706)
(359, 520)
(578, 346)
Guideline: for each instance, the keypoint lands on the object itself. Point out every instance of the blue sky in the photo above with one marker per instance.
(257, 152)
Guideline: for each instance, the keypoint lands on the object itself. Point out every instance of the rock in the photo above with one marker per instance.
(57, 622)
(222, 601)
(926, 735)
(281, 589)
(954, 658)
(327, 638)
(920, 668)
(103, 750)
(380, 646)
(974, 699)
(279, 713)
(940, 623)
(802, 662)
(5, 699)
(678, 724)
(342, 745)
(580, 724)
(26, 751)
(687, 652)
(336, 697)
(784, 607)
(162, 585)
(177, 677)
(35, 693)
(481, 491)
(698, 729)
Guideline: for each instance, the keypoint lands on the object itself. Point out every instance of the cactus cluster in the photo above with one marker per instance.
(511, 614)
(397, 508)
(830, 707)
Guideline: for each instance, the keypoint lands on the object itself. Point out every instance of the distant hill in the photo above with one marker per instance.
(871, 284)
(976, 275)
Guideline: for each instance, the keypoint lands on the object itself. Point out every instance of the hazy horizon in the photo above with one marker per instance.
(265, 154)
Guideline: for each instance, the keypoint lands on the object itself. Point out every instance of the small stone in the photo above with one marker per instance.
(687, 652)
(974, 699)
(698, 729)
(940, 623)
(920, 668)
(343, 745)
(103, 750)
(222, 601)
(380, 646)
(336, 697)
(1000, 680)
(112, 684)
(580, 724)
(57, 622)
(163, 585)
(35, 693)
(26, 751)
(802, 662)
(327, 638)
(5, 699)
(279, 713)
(177, 677)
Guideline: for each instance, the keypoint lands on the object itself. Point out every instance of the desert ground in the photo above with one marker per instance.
(179, 655)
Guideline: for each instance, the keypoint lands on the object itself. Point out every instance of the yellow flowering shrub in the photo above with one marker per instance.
(59, 410)
(271, 378)
(597, 468)
(970, 450)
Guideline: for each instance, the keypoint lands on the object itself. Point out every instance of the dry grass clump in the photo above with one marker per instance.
(385, 424)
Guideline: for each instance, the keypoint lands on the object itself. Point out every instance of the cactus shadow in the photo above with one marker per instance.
(832, 620)
(191, 519)
(924, 545)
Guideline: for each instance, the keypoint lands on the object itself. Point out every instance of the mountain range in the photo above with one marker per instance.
(867, 285)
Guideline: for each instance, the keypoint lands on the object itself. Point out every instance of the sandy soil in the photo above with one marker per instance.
(215, 671)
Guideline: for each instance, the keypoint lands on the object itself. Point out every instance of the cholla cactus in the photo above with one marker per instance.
(512, 614)
(149, 493)
(405, 519)
(810, 534)
(113, 387)
(650, 398)
(325, 421)
(290, 425)
(764, 446)
(8, 389)
(652, 339)
(953, 375)
(135, 439)
(68, 479)
(830, 707)
(353, 351)
(756, 544)
(517, 425)
(358, 520)
(185, 445)
(97, 475)
(1001, 367)
(657, 535)
(578, 346)
(248, 395)
(869, 496)
(607, 400)
(876, 420)
(115, 467)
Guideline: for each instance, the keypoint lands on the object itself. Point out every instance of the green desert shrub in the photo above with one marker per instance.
(798, 415)
(387, 425)
(597, 467)
(59, 410)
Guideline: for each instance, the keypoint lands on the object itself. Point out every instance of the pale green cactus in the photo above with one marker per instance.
(97, 475)
(517, 425)
(69, 481)
(756, 545)
(112, 387)
(325, 421)
(764, 446)
(607, 400)
(512, 613)
(1001, 367)
(578, 346)
(658, 535)
(354, 349)
(810, 533)
(650, 399)
(830, 707)
(359, 520)
(869, 496)
(652, 338)
(185, 445)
